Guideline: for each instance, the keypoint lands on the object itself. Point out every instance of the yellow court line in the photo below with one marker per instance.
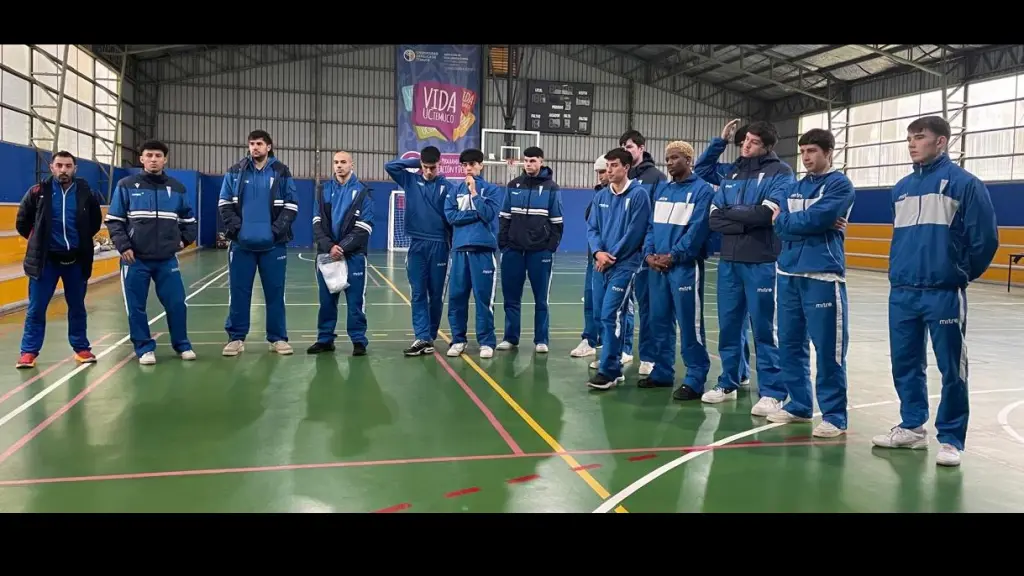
(555, 446)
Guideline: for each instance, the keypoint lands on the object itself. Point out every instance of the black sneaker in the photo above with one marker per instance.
(651, 383)
(319, 347)
(359, 349)
(419, 347)
(602, 382)
(684, 392)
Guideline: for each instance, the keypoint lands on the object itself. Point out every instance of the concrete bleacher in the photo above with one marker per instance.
(867, 247)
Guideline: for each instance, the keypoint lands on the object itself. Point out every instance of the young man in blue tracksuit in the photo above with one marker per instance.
(742, 212)
(58, 218)
(944, 237)
(712, 171)
(529, 231)
(150, 220)
(811, 289)
(426, 263)
(472, 210)
(342, 224)
(643, 170)
(674, 251)
(616, 230)
(258, 206)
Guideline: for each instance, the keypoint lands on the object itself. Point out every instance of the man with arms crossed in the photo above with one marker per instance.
(944, 237)
(530, 229)
(616, 230)
(258, 205)
(342, 224)
(472, 210)
(811, 288)
(426, 263)
(58, 217)
(674, 250)
(643, 170)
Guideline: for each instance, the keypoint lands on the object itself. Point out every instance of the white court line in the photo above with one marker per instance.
(1004, 420)
(46, 391)
(628, 491)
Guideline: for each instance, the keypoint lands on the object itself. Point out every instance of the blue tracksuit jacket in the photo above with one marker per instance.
(618, 223)
(810, 243)
(647, 173)
(258, 206)
(425, 217)
(677, 225)
(944, 227)
(531, 215)
(150, 214)
(474, 219)
(342, 216)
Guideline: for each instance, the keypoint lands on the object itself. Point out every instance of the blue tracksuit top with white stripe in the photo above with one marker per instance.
(806, 225)
(474, 219)
(679, 219)
(336, 221)
(63, 209)
(618, 222)
(531, 215)
(424, 201)
(944, 227)
(258, 205)
(150, 214)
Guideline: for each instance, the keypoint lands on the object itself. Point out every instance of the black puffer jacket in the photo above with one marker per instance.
(33, 224)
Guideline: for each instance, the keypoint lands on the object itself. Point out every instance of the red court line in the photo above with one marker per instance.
(402, 461)
(462, 492)
(45, 423)
(479, 404)
(29, 382)
(395, 508)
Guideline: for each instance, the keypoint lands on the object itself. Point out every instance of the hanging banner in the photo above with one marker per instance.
(439, 92)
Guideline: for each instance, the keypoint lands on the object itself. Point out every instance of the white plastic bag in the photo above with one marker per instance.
(334, 272)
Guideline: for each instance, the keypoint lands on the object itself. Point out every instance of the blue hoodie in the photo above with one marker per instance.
(679, 219)
(618, 223)
(337, 218)
(258, 206)
(806, 225)
(474, 218)
(531, 215)
(424, 201)
(944, 227)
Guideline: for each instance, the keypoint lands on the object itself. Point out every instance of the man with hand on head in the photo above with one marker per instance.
(811, 288)
(430, 235)
(616, 230)
(530, 229)
(58, 217)
(258, 205)
(674, 250)
(150, 220)
(342, 224)
(472, 210)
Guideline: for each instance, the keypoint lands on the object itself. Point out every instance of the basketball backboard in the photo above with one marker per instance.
(500, 145)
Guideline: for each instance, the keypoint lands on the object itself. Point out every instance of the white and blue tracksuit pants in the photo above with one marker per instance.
(613, 292)
(426, 265)
(516, 267)
(243, 265)
(748, 288)
(355, 304)
(170, 290)
(677, 299)
(591, 317)
(914, 315)
(814, 311)
(642, 295)
(472, 272)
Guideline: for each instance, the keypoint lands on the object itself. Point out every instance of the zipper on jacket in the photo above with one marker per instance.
(64, 215)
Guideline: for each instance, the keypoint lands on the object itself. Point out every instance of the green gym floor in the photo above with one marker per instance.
(520, 432)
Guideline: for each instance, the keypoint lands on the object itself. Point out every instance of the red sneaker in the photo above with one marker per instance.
(85, 357)
(26, 360)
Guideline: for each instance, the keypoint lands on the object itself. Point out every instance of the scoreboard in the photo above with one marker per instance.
(559, 107)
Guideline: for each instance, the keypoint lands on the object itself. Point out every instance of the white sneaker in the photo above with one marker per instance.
(504, 345)
(825, 430)
(766, 406)
(583, 350)
(456, 349)
(188, 355)
(745, 382)
(541, 348)
(233, 348)
(147, 359)
(626, 358)
(486, 352)
(780, 416)
(595, 364)
(281, 347)
(902, 438)
(716, 395)
(646, 368)
(948, 455)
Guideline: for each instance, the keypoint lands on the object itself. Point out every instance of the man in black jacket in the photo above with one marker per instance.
(342, 224)
(59, 217)
(530, 230)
